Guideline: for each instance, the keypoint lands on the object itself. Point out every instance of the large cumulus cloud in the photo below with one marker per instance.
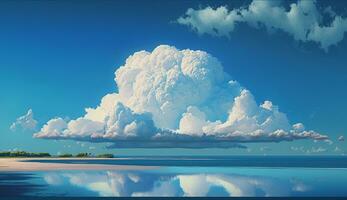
(177, 98)
(304, 20)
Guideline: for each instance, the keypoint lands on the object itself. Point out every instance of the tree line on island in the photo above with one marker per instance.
(24, 154)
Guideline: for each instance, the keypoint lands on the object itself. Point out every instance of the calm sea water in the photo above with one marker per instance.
(183, 176)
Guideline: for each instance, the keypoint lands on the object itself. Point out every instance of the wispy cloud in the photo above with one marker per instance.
(25, 122)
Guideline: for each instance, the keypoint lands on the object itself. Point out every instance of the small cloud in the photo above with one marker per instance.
(337, 149)
(14, 149)
(316, 150)
(294, 148)
(25, 122)
(82, 144)
(329, 142)
(265, 148)
(341, 138)
(299, 127)
(298, 149)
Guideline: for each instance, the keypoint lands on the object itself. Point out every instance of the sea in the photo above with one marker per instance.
(183, 176)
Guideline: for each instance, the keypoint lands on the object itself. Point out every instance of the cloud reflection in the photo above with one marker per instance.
(112, 183)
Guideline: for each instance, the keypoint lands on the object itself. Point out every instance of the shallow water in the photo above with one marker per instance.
(187, 180)
(234, 161)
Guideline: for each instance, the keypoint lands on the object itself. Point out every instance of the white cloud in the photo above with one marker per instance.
(303, 20)
(316, 150)
(299, 127)
(294, 148)
(265, 148)
(329, 142)
(173, 98)
(341, 138)
(53, 128)
(117, 123)
(25, 122)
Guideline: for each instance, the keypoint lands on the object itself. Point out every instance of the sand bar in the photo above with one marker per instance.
(17, 164)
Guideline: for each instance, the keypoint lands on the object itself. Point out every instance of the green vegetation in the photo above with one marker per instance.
(23, 154)
(83, 155)
(106, 155)
(65, 155)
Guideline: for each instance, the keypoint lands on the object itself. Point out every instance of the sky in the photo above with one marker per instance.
(59, 57)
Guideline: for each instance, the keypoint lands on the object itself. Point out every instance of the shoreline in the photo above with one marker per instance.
(17, 164)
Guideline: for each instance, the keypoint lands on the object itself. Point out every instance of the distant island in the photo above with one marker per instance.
(24, 154)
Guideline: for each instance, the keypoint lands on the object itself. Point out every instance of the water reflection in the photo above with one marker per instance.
(113, 183)
(16, 184)
(177, 182)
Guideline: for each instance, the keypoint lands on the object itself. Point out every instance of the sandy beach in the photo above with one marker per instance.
(17, 164)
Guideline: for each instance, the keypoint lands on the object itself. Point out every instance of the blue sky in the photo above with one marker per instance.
(59, 57)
